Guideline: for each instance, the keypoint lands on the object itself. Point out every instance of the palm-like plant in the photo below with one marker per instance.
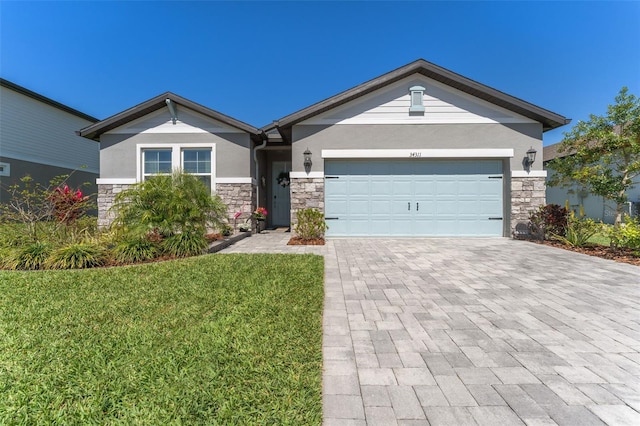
(168, 205)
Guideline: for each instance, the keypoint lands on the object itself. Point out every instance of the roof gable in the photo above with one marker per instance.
(159, 102)
(188, 121)
(548, 119)
(391, 104)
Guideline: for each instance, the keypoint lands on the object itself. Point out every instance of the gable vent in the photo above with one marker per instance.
(417, 93)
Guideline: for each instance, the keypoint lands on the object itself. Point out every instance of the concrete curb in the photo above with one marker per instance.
(216, 246)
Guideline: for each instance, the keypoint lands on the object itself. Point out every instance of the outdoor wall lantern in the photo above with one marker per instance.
(531, 157)
(307, 160)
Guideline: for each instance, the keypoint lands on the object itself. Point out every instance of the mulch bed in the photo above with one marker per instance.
(623, 255)
(297, 241)
(214, 237)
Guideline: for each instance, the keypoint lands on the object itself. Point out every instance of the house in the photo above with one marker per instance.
(37, 137)
(419, 151)
(593, 206)
(169, 132)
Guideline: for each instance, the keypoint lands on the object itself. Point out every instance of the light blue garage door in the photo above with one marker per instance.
(414, 197)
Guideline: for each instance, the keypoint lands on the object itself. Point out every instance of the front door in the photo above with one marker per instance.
(280, 194)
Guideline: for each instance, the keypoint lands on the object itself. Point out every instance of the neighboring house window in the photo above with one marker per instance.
(194, 159)
(417, 93)
(5, 169)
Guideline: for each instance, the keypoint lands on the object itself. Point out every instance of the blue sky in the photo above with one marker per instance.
(259, 61)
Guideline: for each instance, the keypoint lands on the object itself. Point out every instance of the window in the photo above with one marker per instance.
(194, 159)
(198, 162)
(417, 93)
(5, 169)
(156, 161)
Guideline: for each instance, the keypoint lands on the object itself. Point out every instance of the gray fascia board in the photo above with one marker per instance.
(94, 131)
(24, 91)
(549, 119)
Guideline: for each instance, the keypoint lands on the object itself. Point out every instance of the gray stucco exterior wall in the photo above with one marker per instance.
(519, 137)
(118, 151)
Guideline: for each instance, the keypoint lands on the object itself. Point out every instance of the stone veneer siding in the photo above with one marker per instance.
(237, 196)
(106, 195)
(527, 194)
(306, 193)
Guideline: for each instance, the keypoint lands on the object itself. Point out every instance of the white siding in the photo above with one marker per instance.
(593, 206)
(31, 130)
(188, 121)
(442, 103)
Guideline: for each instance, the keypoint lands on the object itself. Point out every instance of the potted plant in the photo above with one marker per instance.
(260, 214)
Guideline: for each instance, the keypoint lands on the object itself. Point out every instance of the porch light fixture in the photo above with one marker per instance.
(307, 160)
(531, 157)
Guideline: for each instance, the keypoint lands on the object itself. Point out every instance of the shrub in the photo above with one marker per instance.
(32, 256)
(34, 206)
(226, 230)
(135, 250)
(548, 221)
(627, 234)
(169, 205)
(578, 231)
(77, 256)
(311, 224)
(28, 205)
(68, 205)
(183, 245)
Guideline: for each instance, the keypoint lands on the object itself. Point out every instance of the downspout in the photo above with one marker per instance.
(263, 135)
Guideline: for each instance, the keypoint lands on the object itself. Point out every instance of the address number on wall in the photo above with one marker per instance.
(415, 154)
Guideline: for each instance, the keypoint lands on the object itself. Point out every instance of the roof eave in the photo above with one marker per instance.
(548, 119)
(94, 131)
(24, 91)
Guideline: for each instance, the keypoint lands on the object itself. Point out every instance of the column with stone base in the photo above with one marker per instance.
(527, 194)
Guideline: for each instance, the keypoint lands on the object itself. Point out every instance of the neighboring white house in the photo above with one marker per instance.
(594, 206)
(37, 137)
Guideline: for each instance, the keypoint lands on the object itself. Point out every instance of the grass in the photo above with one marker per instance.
(217, 339)
(601, 237)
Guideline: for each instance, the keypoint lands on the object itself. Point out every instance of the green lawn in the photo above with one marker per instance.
(217, 339)
(602, 237)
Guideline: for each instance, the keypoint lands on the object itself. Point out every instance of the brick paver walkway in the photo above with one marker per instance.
(474, 331)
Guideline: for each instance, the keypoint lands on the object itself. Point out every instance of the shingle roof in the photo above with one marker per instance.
(550, 152)
(94, 131)
(549, 120)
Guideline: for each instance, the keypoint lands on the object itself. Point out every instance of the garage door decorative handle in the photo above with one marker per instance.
(495, 218)
(331, 218)
(417, 206)
(409, 206)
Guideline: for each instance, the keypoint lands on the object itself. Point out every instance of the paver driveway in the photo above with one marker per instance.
(474, 331)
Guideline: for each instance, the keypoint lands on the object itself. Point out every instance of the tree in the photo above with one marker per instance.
(603, 154)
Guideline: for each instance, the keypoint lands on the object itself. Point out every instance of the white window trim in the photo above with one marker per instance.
(5, 170)
(176, 157)
(417, 153)
(530, 174)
